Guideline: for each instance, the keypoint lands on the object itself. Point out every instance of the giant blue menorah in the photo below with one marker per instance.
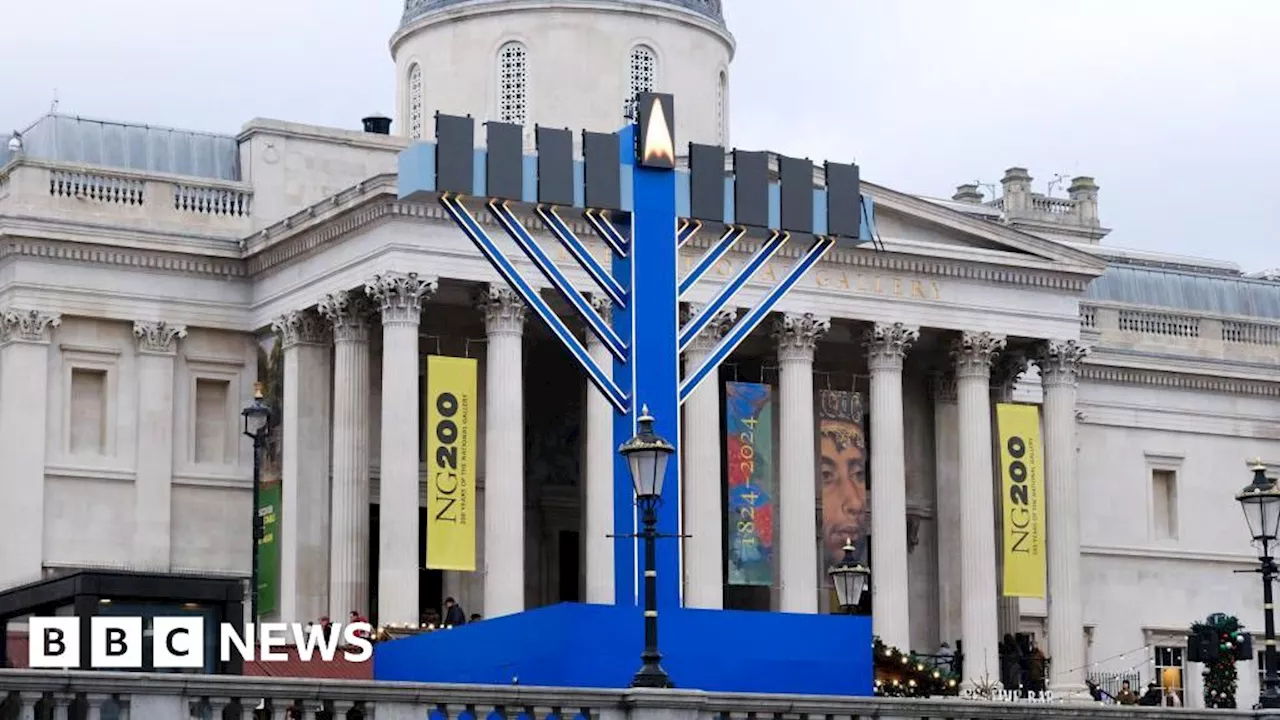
(643, 209)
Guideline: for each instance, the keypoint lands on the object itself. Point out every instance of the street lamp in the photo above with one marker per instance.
(257, 427)
(646, 454)
(1260, 501)
(850, 578)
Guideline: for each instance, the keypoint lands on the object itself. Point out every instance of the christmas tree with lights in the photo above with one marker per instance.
(1220, 666)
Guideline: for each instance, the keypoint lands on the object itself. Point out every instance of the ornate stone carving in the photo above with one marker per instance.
(400, 295)
(602, 305)
(348, 312)
(1006, 370)
(714, 331)
(504, 310)
(887, 345)
(158, 337)
(797, 335)
(27, 325)
(1059, 361)
(974, 352)
(302, 327)
(942, 386)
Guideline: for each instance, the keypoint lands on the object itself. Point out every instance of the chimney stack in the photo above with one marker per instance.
(1016, 186)
(968, 193)
(377, 124)
(1084, 191)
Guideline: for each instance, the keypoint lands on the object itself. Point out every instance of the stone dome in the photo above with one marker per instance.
(414, 9)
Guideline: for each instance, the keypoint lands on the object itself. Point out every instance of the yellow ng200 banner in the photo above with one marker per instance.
(451, 463)
(1022, 508)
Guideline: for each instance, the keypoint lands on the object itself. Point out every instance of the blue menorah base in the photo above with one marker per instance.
(598, 646)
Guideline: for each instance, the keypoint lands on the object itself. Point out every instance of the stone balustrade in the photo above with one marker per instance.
(126, 199)
(37, 694)
(1182, 333)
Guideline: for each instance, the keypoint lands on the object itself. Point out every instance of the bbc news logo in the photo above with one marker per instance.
(179, 642)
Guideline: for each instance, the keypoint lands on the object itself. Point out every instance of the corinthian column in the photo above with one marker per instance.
(504, 314)
(703, 504)
(974, 353)
(152, 535)
(1005, 373)
(349, 537)
(599, 485)
(946, 421)
(24, 385)
(886, 348)
(399, 297)
(304, 488)
(797, 336)
(1059, 363)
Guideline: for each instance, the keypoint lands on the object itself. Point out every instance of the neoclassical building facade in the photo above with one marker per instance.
(148, 276)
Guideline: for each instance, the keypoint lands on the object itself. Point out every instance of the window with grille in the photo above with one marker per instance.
(643, 73)
(721, 119)
(415, 102)
(1169, 669)
(513, 81)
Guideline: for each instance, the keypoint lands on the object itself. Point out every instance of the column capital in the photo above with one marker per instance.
(302, 327)
(887, 345)
(158, 338)
(504, 310)
(942, 386)
(349, 313)
(974, 353)
(714, 331)
(31, 326)
(601, 304)
(797, 335)
(400, 295)
(1059, 361)
(1006, 370)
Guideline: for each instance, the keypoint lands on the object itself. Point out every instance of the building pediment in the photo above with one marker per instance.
(911, 225)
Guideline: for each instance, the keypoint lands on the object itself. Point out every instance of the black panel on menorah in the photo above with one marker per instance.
(751, 188)
(796, 195)
(555, 166)
(706, 182)
(504, 162)
(844, 203)
(455, 154)
(603, 170)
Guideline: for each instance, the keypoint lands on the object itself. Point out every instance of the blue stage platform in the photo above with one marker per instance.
(598, 646)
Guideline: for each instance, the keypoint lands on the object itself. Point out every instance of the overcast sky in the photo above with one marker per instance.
(1172, 105)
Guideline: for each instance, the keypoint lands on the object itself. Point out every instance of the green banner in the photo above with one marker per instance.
(269, 549)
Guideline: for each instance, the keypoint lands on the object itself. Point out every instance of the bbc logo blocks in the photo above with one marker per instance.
(116, 642)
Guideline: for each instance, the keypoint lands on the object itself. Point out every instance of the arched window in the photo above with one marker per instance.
(642, 72)
(415, 101)
(722, 111)
(513, 83)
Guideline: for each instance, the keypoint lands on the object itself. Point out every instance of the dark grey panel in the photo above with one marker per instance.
(657, 145)
(844, 201)
(555, 167)
(455, 154)
(751, 188)
(706, 182)
(602, 170)
(796, 195)
(504, 162)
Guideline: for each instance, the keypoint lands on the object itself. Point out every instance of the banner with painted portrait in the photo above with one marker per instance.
(750, 468)
(842, 474)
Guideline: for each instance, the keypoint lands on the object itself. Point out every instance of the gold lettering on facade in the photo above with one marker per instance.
(897, 286)
(724, 267)
(917, 289)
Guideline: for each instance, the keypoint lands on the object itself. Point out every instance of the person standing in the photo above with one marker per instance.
(453, 613)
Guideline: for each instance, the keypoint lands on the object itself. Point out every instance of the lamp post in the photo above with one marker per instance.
(646, 454)
(1260, 501)
(850, 578)
(257, 428)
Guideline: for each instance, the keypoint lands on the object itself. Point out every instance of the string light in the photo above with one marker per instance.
(1118, 656)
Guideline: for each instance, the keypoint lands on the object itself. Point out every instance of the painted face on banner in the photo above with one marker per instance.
(842, 470)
